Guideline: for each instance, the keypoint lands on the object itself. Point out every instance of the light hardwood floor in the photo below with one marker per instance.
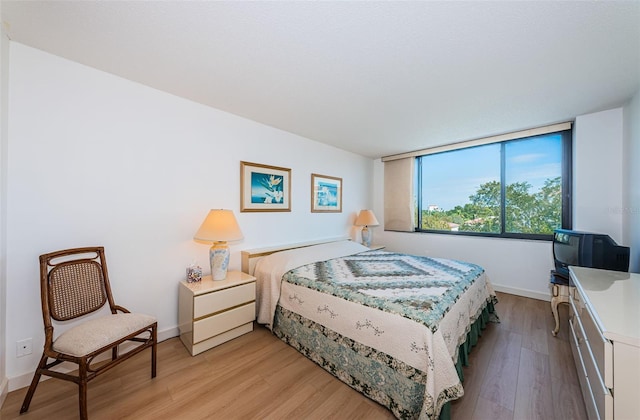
(517, 371)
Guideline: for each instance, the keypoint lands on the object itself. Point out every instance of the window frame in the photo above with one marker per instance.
(566, 190)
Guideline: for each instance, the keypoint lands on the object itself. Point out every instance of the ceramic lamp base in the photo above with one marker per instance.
(366, 236)
(219, 260)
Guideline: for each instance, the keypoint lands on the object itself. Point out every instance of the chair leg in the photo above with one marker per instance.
(82, 389)
(34, 384)
(154, 337)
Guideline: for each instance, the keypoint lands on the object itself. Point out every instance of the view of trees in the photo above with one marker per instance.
(526, 212)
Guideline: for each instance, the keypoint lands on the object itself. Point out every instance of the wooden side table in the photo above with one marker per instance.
(213, 312)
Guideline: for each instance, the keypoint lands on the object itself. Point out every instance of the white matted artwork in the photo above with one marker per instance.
(264, 188)
(326, 194)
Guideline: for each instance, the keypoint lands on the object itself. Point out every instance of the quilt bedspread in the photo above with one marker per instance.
(408, 314)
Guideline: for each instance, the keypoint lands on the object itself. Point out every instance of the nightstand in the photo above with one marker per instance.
(213, 312)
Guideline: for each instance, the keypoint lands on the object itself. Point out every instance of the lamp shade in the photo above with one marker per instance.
(366, 218)
(219, 225)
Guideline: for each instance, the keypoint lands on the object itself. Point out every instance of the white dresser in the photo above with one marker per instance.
(605, 340)
(212, 312)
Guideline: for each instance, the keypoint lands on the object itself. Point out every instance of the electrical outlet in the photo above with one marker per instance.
(24, 347)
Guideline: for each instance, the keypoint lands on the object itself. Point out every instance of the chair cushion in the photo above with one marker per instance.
(97, 333)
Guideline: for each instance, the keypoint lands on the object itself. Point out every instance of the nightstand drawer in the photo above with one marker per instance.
(224, 321)
(211, 303)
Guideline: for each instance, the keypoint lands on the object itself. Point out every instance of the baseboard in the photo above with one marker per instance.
(22, 381)
(167, 334)
(523, 292)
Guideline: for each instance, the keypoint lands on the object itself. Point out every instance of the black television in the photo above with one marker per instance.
(585, 249)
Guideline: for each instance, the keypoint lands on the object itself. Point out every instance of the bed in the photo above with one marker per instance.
(393, 326)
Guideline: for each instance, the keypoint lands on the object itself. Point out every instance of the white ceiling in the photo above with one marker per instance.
(375, 78)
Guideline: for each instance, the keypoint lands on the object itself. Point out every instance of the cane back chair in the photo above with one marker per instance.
(74, 283)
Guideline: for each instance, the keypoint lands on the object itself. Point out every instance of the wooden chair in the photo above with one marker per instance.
(74, 283)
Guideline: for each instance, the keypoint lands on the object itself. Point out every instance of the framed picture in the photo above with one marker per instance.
(264, 188)
(326, 194)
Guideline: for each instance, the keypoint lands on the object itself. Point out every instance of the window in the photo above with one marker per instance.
(517, 188)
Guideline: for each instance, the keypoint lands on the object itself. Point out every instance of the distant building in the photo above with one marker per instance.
(433, 207)
(477, 221)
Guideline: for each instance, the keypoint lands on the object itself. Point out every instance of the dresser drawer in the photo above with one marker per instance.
(577, 347)
(598, 392)
(222, 322)
(212, 303)
(601, 348)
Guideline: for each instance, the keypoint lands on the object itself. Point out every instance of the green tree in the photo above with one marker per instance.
(538, 213)
(434, 220)
(549, 203)
(485, 207)
(520, 208)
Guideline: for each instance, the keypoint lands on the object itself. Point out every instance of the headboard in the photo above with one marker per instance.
(251, 256)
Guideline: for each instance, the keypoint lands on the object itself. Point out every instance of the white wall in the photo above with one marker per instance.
(521, 266)
(597, 173)
(631, 203)
(4, 82)
(99, 160)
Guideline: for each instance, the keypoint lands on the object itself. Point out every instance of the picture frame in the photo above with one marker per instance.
(264, 188)
(326, 194)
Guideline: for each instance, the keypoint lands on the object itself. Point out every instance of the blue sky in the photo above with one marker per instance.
(449, 178)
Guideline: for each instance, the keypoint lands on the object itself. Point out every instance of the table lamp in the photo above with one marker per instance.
(366, 218)
(219, 227)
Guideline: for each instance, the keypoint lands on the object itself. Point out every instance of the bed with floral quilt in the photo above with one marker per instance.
(392, 326)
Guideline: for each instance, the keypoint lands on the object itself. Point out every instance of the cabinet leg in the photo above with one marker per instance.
(554, 310)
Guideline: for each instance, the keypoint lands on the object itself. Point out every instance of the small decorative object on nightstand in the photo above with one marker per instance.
(194, 273)
(213, 312)
(366, 218)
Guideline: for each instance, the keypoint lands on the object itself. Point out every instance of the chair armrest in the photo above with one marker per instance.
(121, 309)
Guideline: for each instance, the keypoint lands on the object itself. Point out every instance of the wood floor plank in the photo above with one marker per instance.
(474, 373)
(501, 378)
(511, 311)
(561, 362)
(567, 400)
(485, 409)
(257, 376)
(533, 395)
(536, 326)
(290, 408)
